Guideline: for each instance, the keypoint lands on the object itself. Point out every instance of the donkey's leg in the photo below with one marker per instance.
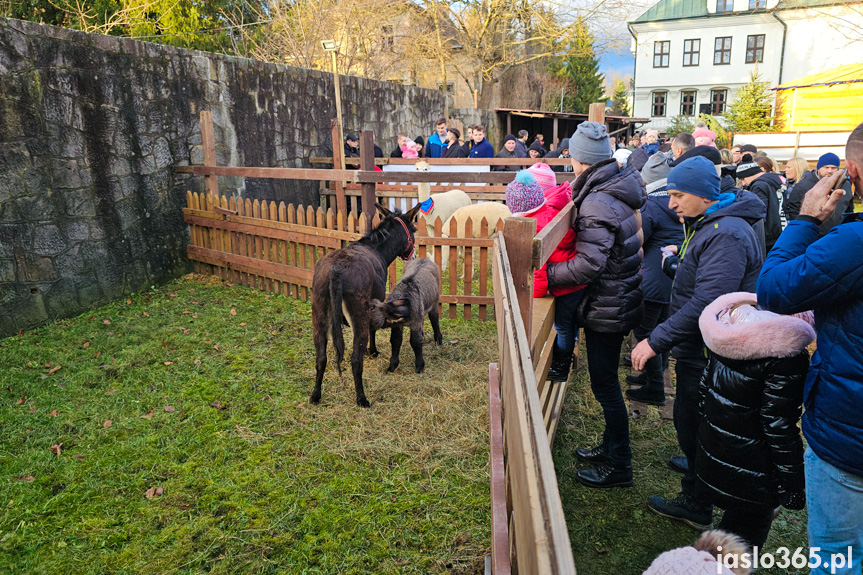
(361, 341)
(373, 345)
(417, 345)
(319, 336)
(434, 318)
(396, 343)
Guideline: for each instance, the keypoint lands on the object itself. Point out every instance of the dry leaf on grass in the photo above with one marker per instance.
(54, 413)
(186, 312)
(56, 448)
(219, 405)
(27, 478)
(128, 302)
(242, 324)
(106, 321)
(32, 411)
(108, 424)
(233, 311)
(170, 409)
(168, 362)
(153, 492)
(79, 457)
(110, 391)
(55, 369)
(21, 401)
(148, 415)
(86, 344)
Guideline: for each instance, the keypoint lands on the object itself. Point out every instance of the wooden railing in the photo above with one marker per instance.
(529, 533)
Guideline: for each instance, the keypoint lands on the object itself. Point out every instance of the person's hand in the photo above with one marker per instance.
(640, 354)
(819, 202)
(668, 251)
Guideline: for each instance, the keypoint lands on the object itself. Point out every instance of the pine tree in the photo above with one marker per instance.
(578, 70)
(750, 112)
(619, 102)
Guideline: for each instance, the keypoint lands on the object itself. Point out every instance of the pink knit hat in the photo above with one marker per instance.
(704, 137)
(687, 561)
(544, 175)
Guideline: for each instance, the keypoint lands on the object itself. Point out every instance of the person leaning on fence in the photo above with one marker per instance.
(719, 254)
(454, 148)
(521, 144)
(804, 272)
(435, 145)
(507, 152)
(562, 151)
(481, 148)
(608, 261)
(401, 140)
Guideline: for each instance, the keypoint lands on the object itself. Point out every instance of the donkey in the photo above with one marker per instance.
(415, 296)
(345, 282)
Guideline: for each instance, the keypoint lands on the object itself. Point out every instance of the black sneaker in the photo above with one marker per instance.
(648, 396)
(683, 508)
(640, 379)
(593, 455)
(559, 371)
(679, 463)
(606, 475)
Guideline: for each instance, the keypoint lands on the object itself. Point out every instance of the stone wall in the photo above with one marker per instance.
(92, 128)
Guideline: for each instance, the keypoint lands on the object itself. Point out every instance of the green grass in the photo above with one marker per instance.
(268, 484)
(611, 530)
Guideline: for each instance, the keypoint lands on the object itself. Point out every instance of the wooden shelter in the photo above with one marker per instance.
(558, 125)
(827, 101)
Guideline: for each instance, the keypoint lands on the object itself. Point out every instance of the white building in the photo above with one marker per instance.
(691, 56)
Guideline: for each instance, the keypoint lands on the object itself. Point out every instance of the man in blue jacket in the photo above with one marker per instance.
(436, 144)
(481, 148)
(719, 255)
(803, 273)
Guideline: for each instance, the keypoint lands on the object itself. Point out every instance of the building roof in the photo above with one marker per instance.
(674, 10)
(566, 115)
(848, 74)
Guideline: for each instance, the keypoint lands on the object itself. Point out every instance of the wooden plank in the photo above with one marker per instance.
(542, 361)
(479, 194)
(547, 240)
(519, 234)
(338, 157)
(252, 266)
(324, 160)
(208, 145)
(542, 322)
(438, 255)
(367, 161)
(283, 247)
(460, 177)
(499, 528)
(483, 268)
(242, 242)
(240, 221)
(276, 173)
(292, 250)
(453, 266)
(468, 267)
(555, 410)
(301, 248)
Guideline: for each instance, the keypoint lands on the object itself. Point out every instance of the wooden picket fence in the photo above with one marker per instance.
(274, 248)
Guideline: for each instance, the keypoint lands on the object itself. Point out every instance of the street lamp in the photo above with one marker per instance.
(332, 47)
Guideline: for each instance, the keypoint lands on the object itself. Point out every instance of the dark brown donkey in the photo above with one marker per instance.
(344, 284)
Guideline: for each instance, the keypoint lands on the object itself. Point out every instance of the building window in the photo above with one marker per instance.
(661, 53)
(387, 38)
(755, 4)
(687, 103)
(755, 48)
(717, 101)
(691, 52)
(722, 50)
(724, 5)
(659, 100)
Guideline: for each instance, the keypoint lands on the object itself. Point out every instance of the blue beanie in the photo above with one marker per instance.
(828, 159)
(696, 176)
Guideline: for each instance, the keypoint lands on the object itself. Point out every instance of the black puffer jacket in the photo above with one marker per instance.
(661, 227)
(806, 183)
(768, 189)
(608, 241)
(749, 446)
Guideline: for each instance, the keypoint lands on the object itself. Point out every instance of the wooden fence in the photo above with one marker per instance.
(275, 247)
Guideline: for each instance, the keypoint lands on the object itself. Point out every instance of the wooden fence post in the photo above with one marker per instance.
(518, 234)
(208, 143)
(596, 113)
(338, 164)
(367, 163)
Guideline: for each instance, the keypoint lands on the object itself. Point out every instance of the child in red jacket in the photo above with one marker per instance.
(525, 198)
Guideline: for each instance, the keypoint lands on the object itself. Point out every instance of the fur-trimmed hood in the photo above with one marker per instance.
(766, 334)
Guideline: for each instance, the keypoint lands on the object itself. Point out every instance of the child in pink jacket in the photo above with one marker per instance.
(525, 198)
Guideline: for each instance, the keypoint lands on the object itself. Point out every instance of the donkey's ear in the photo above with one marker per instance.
(413, 214)
(382, 209)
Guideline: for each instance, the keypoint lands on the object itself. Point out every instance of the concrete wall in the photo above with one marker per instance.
(92, 128)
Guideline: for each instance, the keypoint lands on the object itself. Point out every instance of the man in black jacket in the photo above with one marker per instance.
(768, 187)
(719, 254)
(827, 165)
(608, 243)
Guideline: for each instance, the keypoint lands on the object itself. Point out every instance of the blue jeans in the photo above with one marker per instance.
(834, 499)
(564, 320)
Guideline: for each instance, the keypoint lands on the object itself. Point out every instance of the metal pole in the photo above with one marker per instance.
(341, 144)
(561, 100)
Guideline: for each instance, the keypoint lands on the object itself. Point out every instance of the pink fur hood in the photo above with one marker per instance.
(765, 334)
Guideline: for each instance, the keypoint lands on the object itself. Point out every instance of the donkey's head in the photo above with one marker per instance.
(396, 230)
(389, 312)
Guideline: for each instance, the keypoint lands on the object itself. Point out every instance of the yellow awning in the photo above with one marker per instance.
(848, 74)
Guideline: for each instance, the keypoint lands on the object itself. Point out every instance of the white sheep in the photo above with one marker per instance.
(445, 203)
(491, 211)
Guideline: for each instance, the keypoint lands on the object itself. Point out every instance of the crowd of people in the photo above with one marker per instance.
(731, 267)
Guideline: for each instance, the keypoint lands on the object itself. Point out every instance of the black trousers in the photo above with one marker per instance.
(687, 417)
(603, 360)
(654, 314)
(752, 523)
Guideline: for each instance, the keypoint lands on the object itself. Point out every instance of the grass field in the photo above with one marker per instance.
(201, 391)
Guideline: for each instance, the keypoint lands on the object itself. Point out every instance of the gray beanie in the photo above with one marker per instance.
(656, 168)
(589, 144)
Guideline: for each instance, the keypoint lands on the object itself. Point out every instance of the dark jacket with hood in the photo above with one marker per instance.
(719, 255)
(455, 150)
(728, 185)
(750, 451)
(608, 245)
(506, 154)
(661, 227)
(768, 188)
(640, 156)
(795, 200)
(557, 153)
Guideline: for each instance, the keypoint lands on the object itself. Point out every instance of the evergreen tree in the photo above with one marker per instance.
(678, 125)
(578, 71)
(750, 112)
(619, 102)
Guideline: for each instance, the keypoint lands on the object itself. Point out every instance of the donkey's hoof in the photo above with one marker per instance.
(373, 353)
(363, 402)
(438, 340)
(315, 399)
(392, 367)
(420, 368)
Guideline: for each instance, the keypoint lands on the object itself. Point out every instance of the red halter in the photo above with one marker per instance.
(410, 249)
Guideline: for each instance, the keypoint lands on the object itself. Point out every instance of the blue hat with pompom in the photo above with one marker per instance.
(523, 193)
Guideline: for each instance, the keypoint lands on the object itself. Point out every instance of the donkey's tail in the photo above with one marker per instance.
(336, 318)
